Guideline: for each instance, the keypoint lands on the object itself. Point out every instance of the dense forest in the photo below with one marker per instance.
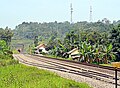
(59, 29)
(93, 39)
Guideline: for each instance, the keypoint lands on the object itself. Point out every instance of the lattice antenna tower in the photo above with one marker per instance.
(71, 11)
(90, 19)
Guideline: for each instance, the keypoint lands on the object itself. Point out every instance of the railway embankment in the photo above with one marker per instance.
(96, 79)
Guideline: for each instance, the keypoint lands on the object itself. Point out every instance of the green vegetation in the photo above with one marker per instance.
(110, 65)
(7, 62)
(6, 57)
(15, 51)
(36, 41)
(6, 35)
(89, 51)
(20, 76)
(15, 75)
(98, 42)
(114, 38)
(21, 41)
(18, 44)
(45, 31)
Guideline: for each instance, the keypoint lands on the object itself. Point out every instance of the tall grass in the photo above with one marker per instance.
(6, 60)
(21, 76)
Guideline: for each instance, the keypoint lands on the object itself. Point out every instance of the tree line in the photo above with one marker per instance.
(93, 46)
(97, 41)
(6, 57)
(6, 35)
(58, 29)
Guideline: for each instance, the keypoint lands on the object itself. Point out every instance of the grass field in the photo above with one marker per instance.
(21, 76)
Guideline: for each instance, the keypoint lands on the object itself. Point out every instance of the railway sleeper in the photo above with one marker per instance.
(70, 71)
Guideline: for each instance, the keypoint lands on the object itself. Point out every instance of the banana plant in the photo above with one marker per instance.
(98, 55)
(86, 52)
(108, 54)
(90, 53)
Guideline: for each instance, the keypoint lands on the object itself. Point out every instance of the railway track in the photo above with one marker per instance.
(69, 67)
(87, 64)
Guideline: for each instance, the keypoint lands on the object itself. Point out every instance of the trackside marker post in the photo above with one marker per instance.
(116, 65)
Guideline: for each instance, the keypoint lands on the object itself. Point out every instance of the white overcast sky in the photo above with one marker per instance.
(14, 12)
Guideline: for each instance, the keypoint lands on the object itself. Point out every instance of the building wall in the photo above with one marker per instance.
(73, 53)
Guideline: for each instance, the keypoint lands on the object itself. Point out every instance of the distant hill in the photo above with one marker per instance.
(45, 30)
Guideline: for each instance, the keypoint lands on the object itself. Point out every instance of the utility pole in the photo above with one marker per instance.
(71, 10)
(116, 78)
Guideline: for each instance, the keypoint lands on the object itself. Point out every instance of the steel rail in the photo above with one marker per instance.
(55, 66)
(73, 66)
(87, 64)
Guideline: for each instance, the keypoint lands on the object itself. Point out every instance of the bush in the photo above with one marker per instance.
(7, 60)
(12, 62)
(2, 63)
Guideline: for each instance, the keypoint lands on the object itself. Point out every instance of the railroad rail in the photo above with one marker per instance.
(88, 70)
(87, 64)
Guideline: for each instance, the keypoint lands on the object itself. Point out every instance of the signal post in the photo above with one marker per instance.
(116, 65)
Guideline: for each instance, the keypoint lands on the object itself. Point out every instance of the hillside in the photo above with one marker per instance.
(45, 30)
